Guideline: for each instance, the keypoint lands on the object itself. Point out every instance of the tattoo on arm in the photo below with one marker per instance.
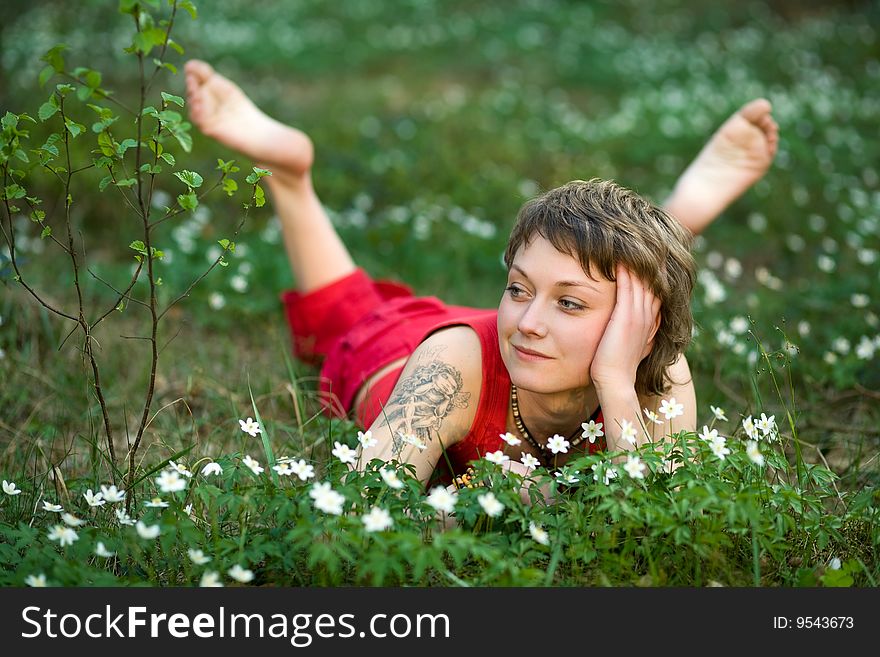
(420, 403)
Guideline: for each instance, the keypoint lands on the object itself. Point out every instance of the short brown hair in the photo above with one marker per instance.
(601, 224)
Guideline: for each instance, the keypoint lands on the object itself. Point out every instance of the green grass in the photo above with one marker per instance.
(433, 123)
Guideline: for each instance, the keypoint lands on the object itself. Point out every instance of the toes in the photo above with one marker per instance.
(755, 110)
(198, 69)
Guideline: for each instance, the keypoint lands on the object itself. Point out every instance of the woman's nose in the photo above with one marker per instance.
(531, 322)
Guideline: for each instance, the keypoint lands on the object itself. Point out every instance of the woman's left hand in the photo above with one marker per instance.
(629, 335)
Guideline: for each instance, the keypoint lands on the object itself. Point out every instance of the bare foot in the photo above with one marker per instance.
(736, 156)
(222, 111)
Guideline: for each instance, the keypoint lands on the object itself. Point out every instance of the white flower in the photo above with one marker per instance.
(497, 458)
(216, 300)
(834, 564)
(865, 348)
(628, 432)
(37, 581)
(718, 447)
(490, 504)
(72, 520)
(326, 499)
(592, 430)
(344, 453)
(210, 579)
(707, 435)
(240, 574)
(567, 477)
(749, 427)
(671, 409)
(198, 557)
(102, 551)
(718, 413)
(64, 535)
(170, 481)
(283, 468)
(539, 534)
(239, 283)
(145, 532)
(94, 499)
(366, 439)
(634, 467)
(250, 426)
(610, 472)
(212, 468)
(413, 440)
(390, 479)
(441, 499)
(558, 444)
(754, 453)
(377, 520)
(767, 425)
(302, 469)
(180, 468)
(739, 325)
(10, 489)
(156, 503)
(188, 510)
(652, 416)
(54, 508)
(510, 439)
(253, 464)
(123, 518)
(529, 461)
(112, 494)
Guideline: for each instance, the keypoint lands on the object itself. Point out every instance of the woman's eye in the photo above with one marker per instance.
(568, 304)
(513, 290)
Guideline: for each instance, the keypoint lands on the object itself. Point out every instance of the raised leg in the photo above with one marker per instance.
(734, 158)
(221, 110)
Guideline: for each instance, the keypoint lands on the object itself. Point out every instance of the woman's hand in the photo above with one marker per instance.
(629, 335)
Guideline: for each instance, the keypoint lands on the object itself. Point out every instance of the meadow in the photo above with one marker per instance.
(434, 121)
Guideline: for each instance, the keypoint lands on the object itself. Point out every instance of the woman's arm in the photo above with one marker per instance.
(433, 404)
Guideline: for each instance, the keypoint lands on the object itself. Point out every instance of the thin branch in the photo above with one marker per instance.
(122, 295)
(176, 212)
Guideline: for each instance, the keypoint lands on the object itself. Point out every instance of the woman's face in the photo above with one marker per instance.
(551, 319)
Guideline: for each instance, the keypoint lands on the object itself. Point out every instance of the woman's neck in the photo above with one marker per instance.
(562, 413)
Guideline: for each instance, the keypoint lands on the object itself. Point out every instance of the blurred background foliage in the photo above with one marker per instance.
(434, 120)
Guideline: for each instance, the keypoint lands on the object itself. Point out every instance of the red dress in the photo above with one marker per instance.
(357, 326)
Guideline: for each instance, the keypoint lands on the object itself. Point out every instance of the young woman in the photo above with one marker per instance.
(588, 336)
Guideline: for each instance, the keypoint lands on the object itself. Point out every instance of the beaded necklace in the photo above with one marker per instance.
(543, 450)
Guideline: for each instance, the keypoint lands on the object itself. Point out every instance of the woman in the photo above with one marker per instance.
(588, 336)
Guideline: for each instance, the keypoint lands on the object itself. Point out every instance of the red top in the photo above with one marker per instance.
(490, 419)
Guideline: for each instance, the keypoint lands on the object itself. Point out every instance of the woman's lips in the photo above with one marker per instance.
(530, 354)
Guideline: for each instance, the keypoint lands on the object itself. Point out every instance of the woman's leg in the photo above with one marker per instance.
(222, 111)
(734, 159)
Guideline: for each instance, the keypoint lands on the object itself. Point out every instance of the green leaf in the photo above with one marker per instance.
(149, 110)
(169, 98)
(64, 88)
(106, 180)
(168, 157)
(189, 178)
(21, 155)
(9, 121)
(181, 134)
(46, 232)
(74, 128)
(48, 109)
(38, 215)
(176, 47)
(230, 186)
(46, 75)
(124, 146)
(53, 57)
(106, 144)
(14, 191)
(138, 246)
(171, 67)
(188, 201)
(259, 197)
(227, 245)
(128, 182)
(190, 7)
(257, 174)
(227, 167)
